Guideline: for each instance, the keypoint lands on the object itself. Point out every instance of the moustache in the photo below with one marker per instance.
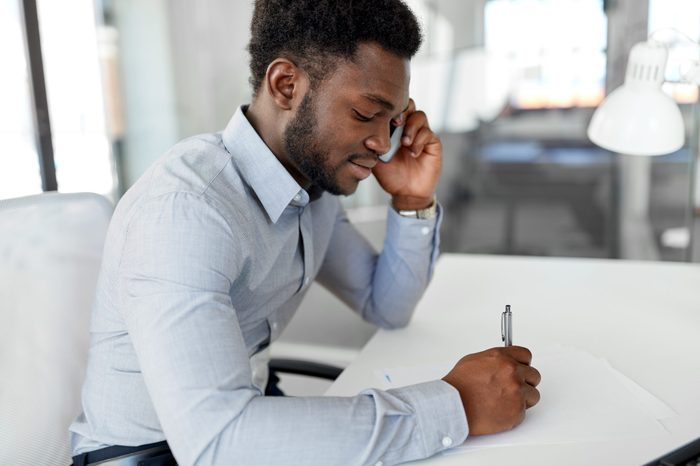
(367, 156)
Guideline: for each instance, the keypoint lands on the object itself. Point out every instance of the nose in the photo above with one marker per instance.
(380, 142)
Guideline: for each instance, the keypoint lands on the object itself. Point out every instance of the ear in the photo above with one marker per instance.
(285, 82)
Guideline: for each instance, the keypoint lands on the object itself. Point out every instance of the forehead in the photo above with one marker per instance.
(373, 73)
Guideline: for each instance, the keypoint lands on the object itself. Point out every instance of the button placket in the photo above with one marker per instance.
(307, 245)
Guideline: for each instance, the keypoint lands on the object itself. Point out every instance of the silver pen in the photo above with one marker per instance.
(507, 327)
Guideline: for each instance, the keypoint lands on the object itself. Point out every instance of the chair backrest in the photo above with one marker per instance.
(50, 250)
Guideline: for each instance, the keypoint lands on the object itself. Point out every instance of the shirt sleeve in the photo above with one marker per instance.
(384, 288)
(175, 273)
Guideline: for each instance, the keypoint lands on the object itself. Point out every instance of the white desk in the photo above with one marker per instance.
(643, 317)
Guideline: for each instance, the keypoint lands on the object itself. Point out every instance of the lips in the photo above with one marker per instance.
(360, 171)
(366, 163)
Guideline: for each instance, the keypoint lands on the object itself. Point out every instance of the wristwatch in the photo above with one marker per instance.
(423, 214)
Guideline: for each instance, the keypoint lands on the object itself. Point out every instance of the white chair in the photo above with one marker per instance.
(50, 250)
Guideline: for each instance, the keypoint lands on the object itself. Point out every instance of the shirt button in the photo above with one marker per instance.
(379, 463)
(306, 281)
(425, 230)
(274, 326)
(297, 197)
(446, 442)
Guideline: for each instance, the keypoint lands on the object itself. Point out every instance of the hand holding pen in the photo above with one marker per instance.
(496, 386)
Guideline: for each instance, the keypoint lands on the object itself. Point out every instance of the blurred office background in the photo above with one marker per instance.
(93, 91)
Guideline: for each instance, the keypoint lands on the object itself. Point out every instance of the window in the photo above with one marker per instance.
(19, 161)
(81, 148)
(431, 68)
(557, 50)
(683, 16)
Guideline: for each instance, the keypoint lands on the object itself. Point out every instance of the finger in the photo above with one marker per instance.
(401, 119)
(519, 353)
(433, 147)
(411, 106)
(531, 396)
(530, 375)
(414, 122)
(422, 138)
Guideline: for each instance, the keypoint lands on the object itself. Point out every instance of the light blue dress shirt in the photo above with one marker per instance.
(207, 258)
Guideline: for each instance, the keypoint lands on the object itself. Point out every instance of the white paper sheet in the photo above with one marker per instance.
(583, 399)
(657, 408)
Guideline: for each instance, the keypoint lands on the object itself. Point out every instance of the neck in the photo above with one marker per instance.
(270, 127)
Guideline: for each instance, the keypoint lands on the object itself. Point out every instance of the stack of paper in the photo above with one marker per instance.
(583, 399)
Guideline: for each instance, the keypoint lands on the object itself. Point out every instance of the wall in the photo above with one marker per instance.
(148, 89)
(210, 62)
(184, 70)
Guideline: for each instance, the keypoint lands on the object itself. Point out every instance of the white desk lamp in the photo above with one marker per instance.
(638, 118)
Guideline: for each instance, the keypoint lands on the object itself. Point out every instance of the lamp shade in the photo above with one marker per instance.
(638, 118)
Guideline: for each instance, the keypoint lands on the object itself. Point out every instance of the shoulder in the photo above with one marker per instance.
(191, 165)
(195, 175)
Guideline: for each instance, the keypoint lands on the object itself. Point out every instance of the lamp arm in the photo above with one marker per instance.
(686, 38)
(691, 75)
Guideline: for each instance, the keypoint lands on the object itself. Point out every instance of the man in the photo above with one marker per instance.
(211, 251)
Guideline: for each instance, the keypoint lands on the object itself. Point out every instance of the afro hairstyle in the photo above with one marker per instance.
(315, 34)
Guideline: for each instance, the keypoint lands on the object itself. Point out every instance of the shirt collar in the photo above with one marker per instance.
(259, 167)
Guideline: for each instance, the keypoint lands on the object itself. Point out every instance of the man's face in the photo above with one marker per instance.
(343, 125)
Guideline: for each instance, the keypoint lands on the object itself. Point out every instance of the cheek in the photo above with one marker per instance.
(338, 146)
(339, 135)
(344, 144)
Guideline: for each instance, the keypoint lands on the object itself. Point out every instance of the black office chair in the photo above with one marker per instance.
(306, 368)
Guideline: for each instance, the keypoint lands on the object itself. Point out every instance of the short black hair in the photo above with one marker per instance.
(315, 33)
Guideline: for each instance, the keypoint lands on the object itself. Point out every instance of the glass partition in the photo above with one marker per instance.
(82, 150)
(19, 160)
(672, 203)
(511, 100)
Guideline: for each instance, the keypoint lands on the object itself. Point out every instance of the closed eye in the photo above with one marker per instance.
(359, 116)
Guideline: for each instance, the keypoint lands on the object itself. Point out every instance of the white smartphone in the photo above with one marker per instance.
(396, 133)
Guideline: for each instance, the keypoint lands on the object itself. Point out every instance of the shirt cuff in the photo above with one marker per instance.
(439, 412)
(415, 234)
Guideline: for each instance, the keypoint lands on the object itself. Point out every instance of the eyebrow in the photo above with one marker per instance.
(381, 101)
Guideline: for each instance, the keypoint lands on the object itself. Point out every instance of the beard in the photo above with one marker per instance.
(301, 144)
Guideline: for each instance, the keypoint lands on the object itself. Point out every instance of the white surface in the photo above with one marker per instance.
(643, 317)
(578, 393)
(50, 250)
(676, 238)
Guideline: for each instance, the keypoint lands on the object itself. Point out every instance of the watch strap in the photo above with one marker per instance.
(423, 214)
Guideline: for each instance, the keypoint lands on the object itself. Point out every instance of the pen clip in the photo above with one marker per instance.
(503, 323)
